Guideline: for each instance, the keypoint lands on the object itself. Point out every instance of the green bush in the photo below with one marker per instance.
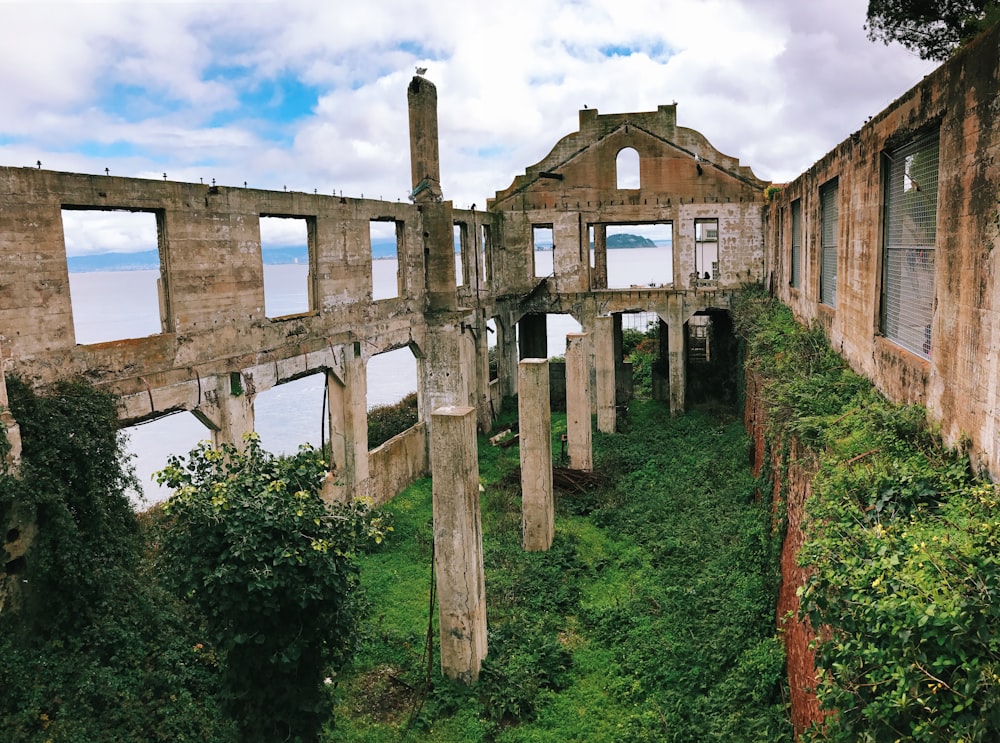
(97, 650)
(251, 545)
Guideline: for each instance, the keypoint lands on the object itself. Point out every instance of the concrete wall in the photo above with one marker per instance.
(959, 382)
(396, 464)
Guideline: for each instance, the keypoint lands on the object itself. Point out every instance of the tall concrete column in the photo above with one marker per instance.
(229, 410)
(532, 339)
(606, 365)
(599, 279)
(436, 215)
(578, 425)
(535, 420)
(458, 542)
(676, 354)
(347, 407)
(446, 370)
(482, 364)
(507, 356)
(660, 371)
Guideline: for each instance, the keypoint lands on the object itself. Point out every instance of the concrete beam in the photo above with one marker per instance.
(534, 411)
(458, 542)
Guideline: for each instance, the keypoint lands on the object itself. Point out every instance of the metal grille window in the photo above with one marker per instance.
(910, 232)
(828, 276)
(796, 279)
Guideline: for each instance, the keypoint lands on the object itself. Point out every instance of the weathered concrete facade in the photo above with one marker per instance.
(956, 370)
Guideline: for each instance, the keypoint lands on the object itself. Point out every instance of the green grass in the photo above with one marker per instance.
(651, 618)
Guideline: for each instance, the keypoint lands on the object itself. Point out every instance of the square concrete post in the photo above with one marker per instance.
(677, 355)
(537, 505)
(347, 410)
(578, 425)
(458, 542)
(604, 360)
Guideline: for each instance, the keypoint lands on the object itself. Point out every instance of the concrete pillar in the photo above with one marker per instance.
(535, 420)
(458, 542)
(229, 411)
(436, 215)
(447, 367)
(484, 412)
(347, 407)
(507, 356)
(606, 368)
(8, 427)
(599, 279)
(677, 360)
(661, 376)
(578, 425)
(425, 168)
(532, 341)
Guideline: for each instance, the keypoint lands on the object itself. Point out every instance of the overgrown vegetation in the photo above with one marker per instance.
(214, 619)
(386, 421)
(97, 650)
(249, 543)
(651, 618)
(902, 543)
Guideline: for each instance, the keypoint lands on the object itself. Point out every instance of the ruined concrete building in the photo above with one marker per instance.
(889, 242)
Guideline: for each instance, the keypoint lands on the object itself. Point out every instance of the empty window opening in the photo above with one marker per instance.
(542, 247)
(627, 168)
(149, 444)
(115, 283)
(828, 274)
(706, 248)
(486, 245)
(290, 414)
(460, 233)
(284, 250)
(491, 348)
(387, 279)
(795, 280)
(638, 255)
(392, 394)
(909, 243)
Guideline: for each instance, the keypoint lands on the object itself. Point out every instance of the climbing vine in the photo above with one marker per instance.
(901, 543)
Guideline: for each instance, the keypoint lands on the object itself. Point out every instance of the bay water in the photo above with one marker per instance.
(110, 305)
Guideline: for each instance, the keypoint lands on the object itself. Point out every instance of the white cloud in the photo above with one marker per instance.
(776, 83)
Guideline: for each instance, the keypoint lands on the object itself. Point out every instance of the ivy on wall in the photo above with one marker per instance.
(902, 542)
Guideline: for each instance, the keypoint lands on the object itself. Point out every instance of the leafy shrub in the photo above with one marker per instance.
(251, 545)
(523, 661)
(97, 650)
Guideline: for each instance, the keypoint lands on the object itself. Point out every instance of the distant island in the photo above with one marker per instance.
(629, 241)
(614, 242)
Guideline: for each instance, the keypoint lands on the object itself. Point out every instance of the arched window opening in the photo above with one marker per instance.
(627, 168)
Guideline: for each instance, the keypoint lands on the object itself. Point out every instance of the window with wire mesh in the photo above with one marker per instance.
(796, 278)
(828, 243)
(910, 233)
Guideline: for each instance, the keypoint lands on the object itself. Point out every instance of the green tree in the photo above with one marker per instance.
(248, 541)
(931, 28)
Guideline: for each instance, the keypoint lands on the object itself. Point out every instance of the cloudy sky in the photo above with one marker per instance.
(310, 94)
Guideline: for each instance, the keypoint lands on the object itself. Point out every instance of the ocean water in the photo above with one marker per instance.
(123, 304)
